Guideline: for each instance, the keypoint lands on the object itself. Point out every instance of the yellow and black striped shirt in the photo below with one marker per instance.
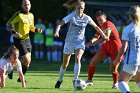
(22, 23)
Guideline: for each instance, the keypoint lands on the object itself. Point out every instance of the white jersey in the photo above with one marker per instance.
(132, 35)
(6, 65)
(76, 32)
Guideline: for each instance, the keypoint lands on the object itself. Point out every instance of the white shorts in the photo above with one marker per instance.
(70, 48)
(131, 68)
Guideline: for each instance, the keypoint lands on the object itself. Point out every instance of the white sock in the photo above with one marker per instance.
(41, 54)
(61, 73)
(138, 84)
(36, 54)
(49, 56)
(123, 86)
(77, 68)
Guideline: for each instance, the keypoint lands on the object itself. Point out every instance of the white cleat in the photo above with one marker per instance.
(115, 86)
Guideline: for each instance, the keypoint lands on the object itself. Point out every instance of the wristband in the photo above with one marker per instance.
(13, 32)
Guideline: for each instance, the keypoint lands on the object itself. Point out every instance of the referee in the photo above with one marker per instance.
(20, 24)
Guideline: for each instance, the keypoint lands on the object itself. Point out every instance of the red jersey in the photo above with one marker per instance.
(111, 47)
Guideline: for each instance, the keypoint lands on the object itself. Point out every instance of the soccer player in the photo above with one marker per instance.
(108, 48)
(75, 39)
(20, 25)
(8, 62)
(131, 48)
(39, 40)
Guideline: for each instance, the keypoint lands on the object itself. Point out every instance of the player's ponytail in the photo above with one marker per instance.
(71, 4)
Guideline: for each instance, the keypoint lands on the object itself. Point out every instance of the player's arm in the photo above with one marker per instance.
(58, 27)
(10, 25)
(33, 28)
(93, 40)
(21, 76)
(2, 74)
(93, 24)
(122, 51)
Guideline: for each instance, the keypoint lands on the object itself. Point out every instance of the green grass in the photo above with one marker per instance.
(42, 76)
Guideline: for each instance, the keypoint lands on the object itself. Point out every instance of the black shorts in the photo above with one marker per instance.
(24, 46)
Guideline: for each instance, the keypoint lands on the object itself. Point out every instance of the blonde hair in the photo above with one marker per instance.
(10, 51)
(71, 4)
(134, 12)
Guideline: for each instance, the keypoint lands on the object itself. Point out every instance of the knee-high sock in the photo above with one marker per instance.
(77, 68)
(123, 86)
(36, 54)
(115, 77)
(49, 56)
(41, 54)
(61, 73)
(91, 71)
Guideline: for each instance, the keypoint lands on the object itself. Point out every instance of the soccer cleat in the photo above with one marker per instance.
(10, 75)
(115, 86)
(20, 81)
(58, 83)
(89, 82)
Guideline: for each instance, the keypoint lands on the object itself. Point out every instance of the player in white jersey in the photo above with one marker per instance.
(130, 45)
(75, 38)
(9, 62)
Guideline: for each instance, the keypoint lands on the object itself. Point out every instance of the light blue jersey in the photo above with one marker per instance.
(132, 34)
(76, 32)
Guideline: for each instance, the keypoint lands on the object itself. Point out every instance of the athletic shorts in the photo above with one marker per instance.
(131, 68)
(111, 52)
(70, 48)
(24, 46)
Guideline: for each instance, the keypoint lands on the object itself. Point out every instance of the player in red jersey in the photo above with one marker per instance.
(108, 48)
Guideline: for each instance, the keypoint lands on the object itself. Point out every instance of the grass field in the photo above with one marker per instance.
(42, 76)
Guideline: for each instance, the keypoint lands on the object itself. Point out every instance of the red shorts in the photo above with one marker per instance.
(112, 51)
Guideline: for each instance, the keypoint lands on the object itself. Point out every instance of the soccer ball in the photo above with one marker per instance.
(79, 84)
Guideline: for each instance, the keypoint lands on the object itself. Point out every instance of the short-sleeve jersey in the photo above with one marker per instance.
(114, 39)
(131, 33)
(22, 23)
(77, 27)
(5, 64)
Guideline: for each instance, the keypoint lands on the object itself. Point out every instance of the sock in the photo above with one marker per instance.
(115, 77)
(59, 55)
(49, 56)
(61, 73)
(77, 68)
(138, 84)
(123, 86)
(36, 54)
(41, 54)
(56, 55)
(91, 71)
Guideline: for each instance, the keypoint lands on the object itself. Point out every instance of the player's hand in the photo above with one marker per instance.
(56, 35)
(17, 35)
(106, 38)
(88, 44)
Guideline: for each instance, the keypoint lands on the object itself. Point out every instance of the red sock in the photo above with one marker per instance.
(91, 71)
(115, 77)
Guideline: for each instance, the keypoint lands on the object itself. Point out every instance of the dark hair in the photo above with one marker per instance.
(133, 12)
(71, 3)
(10, 51)
(100, 13)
